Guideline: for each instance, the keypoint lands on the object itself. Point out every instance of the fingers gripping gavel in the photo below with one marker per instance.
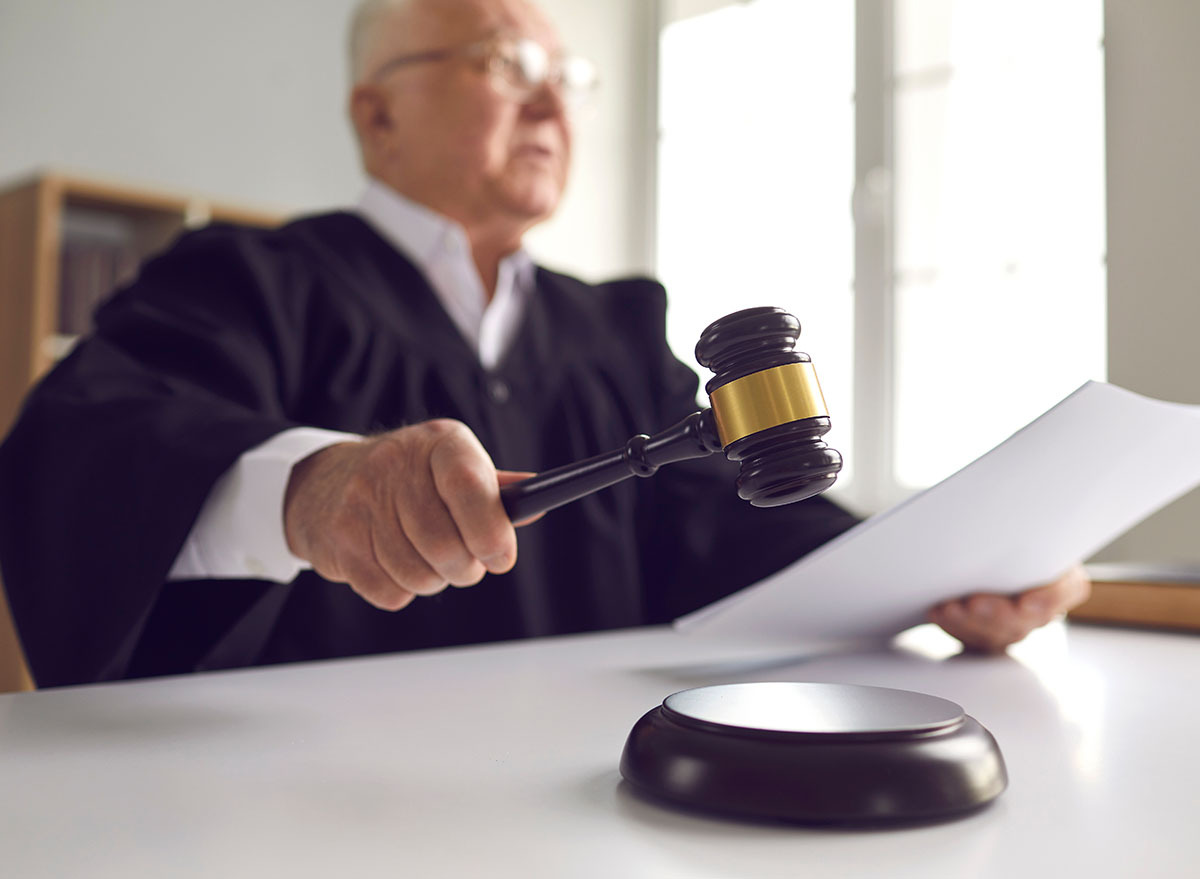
(767, 414)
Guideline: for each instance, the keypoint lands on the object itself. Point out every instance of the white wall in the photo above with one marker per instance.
(1153, 144)
(244, 100)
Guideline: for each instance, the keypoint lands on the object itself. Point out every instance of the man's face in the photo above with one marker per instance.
(452, 139)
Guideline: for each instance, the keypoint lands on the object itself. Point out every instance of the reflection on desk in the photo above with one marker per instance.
(501, 760)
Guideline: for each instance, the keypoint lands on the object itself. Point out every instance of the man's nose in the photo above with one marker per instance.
(547, 101)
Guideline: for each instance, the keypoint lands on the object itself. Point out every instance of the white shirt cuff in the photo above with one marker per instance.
(239, 533)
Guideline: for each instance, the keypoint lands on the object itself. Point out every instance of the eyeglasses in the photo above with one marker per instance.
(519, 68)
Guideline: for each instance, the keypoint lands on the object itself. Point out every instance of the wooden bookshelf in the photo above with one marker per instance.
(35, 226)
(41, 219)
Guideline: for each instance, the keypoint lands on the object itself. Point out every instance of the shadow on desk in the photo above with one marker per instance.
(765, 667)
(62, 721)
(925, 646)
(684, 839)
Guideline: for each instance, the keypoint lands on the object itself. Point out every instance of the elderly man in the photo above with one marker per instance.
(275, 440)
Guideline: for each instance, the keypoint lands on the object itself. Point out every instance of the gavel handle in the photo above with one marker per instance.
(693, 437)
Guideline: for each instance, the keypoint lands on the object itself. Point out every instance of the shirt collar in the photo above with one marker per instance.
(439, 248)
(424, 235)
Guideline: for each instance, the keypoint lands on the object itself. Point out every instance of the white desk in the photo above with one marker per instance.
(501, 761)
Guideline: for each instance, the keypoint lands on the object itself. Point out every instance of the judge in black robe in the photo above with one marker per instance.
(235, 335)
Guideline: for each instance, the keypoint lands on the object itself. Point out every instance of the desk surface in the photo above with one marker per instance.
(502, 761)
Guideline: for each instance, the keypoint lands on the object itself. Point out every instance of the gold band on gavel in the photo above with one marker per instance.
(765, 399)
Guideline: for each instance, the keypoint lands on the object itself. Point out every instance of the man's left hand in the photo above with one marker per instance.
(989, 622)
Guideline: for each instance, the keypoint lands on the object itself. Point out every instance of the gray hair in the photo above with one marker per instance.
(364, 29)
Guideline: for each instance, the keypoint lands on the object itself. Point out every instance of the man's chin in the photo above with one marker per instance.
(534, 206)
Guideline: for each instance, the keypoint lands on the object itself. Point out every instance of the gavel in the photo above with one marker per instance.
(767, 414)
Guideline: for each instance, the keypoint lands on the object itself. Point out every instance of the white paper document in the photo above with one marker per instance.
(1051, 495)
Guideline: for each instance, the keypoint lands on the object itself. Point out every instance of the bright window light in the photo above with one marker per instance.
(999, 221)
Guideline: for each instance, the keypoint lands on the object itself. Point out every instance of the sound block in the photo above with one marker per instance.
(814, 753)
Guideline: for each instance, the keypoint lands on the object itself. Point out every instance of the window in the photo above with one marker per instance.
(977, 141)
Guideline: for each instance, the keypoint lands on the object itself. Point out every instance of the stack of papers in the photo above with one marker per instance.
(1050, 496)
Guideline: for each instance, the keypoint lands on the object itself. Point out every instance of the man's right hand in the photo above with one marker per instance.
(402, 514)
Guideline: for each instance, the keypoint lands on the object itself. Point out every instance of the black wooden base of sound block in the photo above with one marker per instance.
(814, 753)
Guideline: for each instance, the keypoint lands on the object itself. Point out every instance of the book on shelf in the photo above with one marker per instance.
(99, 253)
(1163, 596)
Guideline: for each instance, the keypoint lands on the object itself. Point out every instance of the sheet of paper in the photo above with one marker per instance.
(1051, 495)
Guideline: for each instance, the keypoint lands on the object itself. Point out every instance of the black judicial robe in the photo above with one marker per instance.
(234, 335)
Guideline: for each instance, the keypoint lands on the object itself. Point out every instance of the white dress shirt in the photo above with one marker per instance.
(239, 532)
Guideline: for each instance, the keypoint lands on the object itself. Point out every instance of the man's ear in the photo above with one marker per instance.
(370, 114)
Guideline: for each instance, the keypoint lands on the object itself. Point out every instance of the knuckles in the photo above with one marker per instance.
(389, 600)
(445, 552)
(424, 584)
(462, 478)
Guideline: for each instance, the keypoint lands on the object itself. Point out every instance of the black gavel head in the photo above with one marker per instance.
(769, 411)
